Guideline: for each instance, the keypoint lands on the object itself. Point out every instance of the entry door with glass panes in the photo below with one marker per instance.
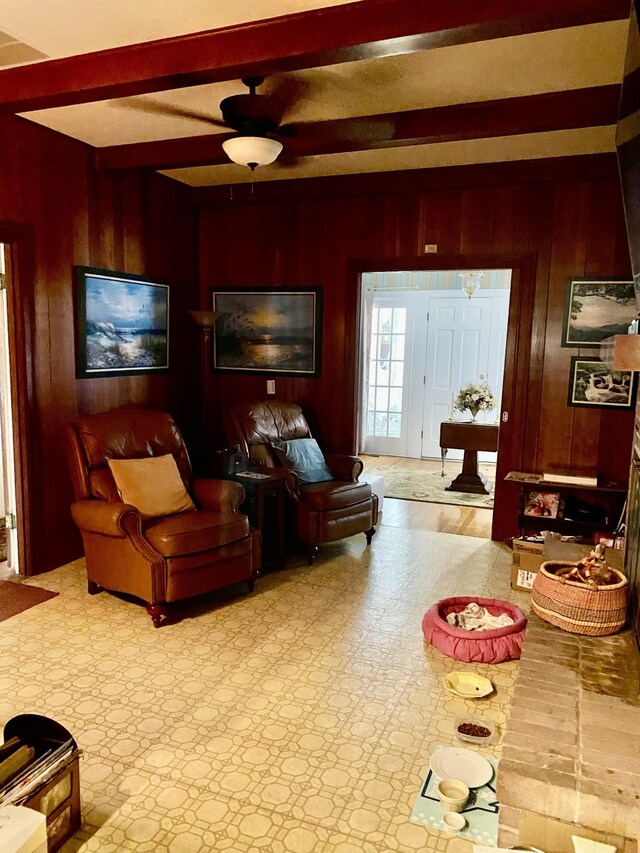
(388, 376)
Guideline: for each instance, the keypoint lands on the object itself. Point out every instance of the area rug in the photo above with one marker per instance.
(16, 597)
(481, 812)
(429, 486)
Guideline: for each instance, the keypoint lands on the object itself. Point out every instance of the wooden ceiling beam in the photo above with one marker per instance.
(589, 167)
(335, 34)
(164, 154)
(592, 107)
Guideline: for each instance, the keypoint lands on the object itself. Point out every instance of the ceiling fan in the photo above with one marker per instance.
(256, 118)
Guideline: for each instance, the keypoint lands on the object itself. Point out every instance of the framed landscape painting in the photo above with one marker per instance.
(597, 308)
(593, 385)
(268, 331)
(121, 323)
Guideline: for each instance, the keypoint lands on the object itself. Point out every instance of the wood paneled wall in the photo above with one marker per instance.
(143, 223)
(568, 214)
(134, 221)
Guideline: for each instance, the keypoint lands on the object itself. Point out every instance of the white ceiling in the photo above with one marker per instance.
(530, 146)
(524, 65)
(68, 27)
(542, 62)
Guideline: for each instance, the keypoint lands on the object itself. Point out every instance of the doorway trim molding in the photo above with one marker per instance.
(20, 240)
(519, 353)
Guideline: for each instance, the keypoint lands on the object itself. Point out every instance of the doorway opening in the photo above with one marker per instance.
(423, 339)
(9, 563)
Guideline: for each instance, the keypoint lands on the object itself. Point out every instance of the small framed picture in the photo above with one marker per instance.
(597, 308)
(542, 504)
(593, 385)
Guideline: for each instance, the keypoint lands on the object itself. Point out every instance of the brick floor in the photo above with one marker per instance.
(571, 750)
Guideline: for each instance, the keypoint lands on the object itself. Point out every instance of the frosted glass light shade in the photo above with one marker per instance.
(252, 151)
(471, 282)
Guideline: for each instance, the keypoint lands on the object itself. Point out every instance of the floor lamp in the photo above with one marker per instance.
(206, 320)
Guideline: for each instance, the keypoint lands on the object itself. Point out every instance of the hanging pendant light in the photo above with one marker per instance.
(471, 282)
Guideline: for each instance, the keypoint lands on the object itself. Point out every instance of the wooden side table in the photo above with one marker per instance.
(470, 437)
(268, 488)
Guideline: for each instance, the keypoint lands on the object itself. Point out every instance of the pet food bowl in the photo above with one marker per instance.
(474, 720)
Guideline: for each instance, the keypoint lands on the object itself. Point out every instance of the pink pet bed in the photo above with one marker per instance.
(475, 646)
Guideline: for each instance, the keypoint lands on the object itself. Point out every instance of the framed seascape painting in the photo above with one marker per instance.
(593, 385)
(595, 309)
(121, 323)
(268, 331)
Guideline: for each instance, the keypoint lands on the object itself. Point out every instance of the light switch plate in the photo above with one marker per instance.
(271, 386)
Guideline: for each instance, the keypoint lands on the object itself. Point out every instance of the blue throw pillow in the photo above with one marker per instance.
(303, 456)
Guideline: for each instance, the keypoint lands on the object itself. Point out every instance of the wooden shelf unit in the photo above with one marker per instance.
(610, 497)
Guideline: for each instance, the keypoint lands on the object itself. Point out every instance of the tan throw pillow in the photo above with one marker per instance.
(153, 485)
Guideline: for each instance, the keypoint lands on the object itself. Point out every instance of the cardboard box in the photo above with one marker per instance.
(529, 556)
(527, 559)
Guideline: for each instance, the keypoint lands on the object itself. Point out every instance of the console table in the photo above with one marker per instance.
(470, 437)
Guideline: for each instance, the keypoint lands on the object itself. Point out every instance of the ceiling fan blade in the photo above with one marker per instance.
(287, 130)
(286, 159)
(365, 129)
(286, 89)
(148, 105)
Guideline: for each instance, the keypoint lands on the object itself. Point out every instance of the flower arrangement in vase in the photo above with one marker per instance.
(476, 398)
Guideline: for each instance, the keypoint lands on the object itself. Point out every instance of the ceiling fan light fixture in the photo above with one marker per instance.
(252, 151)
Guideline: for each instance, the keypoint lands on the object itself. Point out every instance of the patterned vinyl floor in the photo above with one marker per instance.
(299, 718)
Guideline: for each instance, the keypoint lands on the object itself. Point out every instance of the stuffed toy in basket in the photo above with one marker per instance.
(588, 597)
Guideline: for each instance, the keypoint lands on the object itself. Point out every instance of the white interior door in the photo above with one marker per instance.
(465, 343)
(6, 427)
(498, 345)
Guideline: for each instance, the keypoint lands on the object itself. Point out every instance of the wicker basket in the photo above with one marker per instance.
(576, 607)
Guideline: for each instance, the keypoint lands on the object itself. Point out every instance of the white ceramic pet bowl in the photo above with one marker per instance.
(453, 822)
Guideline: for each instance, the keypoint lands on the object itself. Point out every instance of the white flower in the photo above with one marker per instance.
(479, 396)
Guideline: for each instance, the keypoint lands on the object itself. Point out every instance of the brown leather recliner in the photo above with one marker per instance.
(326, 511)
(159, 560)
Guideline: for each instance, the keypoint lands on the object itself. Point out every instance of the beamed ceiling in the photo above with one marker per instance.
(375, 85)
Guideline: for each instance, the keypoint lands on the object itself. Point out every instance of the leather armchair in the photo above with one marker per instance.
(325, 512)
(159, 560)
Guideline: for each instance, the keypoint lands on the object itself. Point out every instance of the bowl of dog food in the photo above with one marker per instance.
(470, 728)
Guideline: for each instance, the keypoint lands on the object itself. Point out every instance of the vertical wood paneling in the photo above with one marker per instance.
(573, 226)
(567, 258)
(534, 224)
(47, 182)
(503, 224)
(441, 221)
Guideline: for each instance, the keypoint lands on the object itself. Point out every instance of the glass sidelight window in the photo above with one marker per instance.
(386, 371)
